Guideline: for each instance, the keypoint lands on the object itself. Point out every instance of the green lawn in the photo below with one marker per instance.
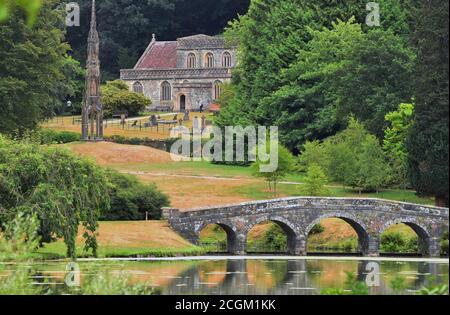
(57, 250)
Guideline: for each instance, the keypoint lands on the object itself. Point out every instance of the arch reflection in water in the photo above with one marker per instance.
(297, 277)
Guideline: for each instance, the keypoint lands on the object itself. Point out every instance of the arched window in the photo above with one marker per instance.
(226, 60)
(166, 91)
(138, 88)
(209, 60)
(191, 61)
(217, 89)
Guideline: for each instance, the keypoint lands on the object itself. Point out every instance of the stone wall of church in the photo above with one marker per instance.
(182, 56)
(197, 91)
(152, 90)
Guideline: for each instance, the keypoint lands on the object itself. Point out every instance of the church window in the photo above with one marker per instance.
(226, 60)
(166, 91)
(138, 88)
(217, 89)
(209, 60)
(191, 61)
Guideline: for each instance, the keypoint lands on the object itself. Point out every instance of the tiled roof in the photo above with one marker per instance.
(159, 55)
(201, 41)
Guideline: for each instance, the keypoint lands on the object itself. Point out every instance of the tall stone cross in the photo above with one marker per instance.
(92, 111)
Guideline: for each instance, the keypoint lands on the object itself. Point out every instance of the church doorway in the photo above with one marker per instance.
(182, 103)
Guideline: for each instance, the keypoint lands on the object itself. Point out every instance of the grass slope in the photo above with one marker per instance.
(196, 184)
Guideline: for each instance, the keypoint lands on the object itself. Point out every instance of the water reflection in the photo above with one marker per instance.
(257, 276)
(296, 277)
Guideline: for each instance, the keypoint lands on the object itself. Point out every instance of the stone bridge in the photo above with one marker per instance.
(297, 216)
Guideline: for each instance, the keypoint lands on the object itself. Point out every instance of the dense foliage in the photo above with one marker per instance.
(132, 200)
(30, 7)
(117, 98)
(428, 141)
(395, 242)
(315, 181)
(307, 79)
(36, 74)
(63, 194)
(394, 143)
(353, 157)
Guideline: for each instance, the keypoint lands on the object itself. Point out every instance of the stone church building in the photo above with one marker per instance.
(184, 74)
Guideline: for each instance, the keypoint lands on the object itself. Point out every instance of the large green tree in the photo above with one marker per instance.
(428, 141)
(35, 71)
(271, 86)
(63, 194)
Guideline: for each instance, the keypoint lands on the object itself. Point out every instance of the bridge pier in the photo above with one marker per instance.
(370, 247)
(296, 245)
(430, 247)
(237, 244)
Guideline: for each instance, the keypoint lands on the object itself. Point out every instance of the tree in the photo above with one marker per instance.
(63, 194)
(34, 68)
(313, 152)
(352, 157)
(285, 166)
(116, 98)
(394, 144)
(372, 167)
(132, 200)
(31, 8)
(315, 182)
(428, 140)
(287, 61)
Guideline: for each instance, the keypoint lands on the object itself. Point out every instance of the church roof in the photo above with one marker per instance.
(201, 41)
(159, 55)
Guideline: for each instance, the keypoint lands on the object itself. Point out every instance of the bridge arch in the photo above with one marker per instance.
(425, 236)
(234, 238)
(290, 230)
(364, 237)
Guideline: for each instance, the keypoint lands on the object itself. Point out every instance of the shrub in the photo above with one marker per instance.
(131, 200)
(49, 136)
(118, 98)
(315, 182)
(317, 229)
(395, 242)
(274, 240)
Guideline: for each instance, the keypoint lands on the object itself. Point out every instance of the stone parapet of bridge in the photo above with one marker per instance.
(297, 216)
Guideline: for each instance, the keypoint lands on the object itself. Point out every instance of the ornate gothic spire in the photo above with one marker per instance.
(92, 106)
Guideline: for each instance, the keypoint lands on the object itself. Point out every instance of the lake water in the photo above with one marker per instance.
(263, 275)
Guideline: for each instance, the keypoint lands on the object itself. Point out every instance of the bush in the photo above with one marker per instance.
(394, 242)
(131, 200)
(317, 229)
(49, 136)
(117, 98)
(315, 182)
(274, 240)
